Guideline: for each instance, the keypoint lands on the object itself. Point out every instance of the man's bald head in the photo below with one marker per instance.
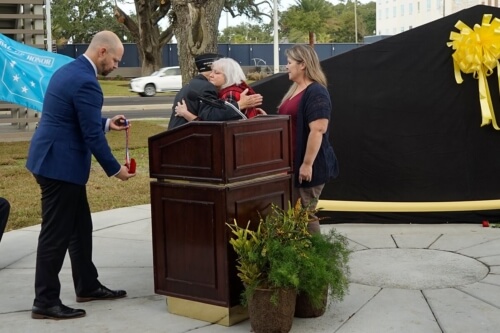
(106, 39)
(106, 51)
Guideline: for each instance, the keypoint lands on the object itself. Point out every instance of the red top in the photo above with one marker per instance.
(233, 93)
(290, 107)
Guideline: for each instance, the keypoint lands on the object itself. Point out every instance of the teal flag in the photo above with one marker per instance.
(25, 72)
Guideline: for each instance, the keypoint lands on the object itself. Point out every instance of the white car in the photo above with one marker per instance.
(165, 79)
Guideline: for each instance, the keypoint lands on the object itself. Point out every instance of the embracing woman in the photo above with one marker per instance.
(229, 79)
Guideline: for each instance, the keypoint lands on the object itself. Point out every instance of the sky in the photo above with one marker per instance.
(225, 19)
(228, 21)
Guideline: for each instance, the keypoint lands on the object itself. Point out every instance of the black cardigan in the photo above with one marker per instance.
(315, 104)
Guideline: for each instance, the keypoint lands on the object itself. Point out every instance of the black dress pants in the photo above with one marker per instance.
(66, 226)
(4, 215)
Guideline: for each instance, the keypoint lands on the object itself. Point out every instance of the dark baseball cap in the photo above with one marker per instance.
(204, 61)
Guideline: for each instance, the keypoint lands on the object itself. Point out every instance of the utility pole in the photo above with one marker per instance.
(48, 25)
(276, 40)
(355, 22)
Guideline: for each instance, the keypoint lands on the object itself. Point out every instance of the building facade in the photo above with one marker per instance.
(24, 21)
(395, 16)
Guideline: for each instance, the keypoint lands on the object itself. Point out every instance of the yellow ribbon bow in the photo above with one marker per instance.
(477, 51)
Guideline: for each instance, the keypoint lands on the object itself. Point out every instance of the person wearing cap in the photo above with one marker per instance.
(199, 89)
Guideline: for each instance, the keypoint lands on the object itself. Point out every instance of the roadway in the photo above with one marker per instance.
(133, 107)
(136, 107)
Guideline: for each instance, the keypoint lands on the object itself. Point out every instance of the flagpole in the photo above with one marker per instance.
(355, 22)
(276, 44)
(48, 22)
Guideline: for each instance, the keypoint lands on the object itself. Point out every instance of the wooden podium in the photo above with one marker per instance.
(208, 174)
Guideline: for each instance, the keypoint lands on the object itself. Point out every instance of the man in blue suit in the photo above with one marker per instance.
(71, 130)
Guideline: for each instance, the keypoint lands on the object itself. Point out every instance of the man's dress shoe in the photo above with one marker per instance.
(101, 293)
(56, 312)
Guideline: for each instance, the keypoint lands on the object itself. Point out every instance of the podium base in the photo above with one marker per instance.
(206, 312)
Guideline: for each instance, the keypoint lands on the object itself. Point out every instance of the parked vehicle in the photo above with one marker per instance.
(165, 79)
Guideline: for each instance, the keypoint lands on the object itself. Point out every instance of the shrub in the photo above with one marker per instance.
(255, 76)
(281, 253)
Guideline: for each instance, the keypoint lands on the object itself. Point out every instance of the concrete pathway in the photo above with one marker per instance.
(404, 278)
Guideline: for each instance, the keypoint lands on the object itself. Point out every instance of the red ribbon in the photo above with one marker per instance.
(129, 162)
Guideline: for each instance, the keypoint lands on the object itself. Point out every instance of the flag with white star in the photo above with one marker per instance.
(25, 72)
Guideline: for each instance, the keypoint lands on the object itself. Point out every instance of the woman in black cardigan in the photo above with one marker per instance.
(309, 106)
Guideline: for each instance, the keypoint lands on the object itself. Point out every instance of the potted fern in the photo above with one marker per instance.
(324, 278)
(280, 259)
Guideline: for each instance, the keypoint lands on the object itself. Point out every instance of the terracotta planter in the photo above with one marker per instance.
(266, 317)
(304, 308)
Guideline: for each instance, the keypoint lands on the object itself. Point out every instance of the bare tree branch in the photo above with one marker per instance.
(128, 22)
(166, 36)
(161, 11)
(248, 8)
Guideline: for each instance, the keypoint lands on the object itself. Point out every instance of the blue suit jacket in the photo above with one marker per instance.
(71, 128)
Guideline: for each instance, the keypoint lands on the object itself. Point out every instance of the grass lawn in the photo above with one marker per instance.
(120, 88)
(104, 193)
(116, 88)
(20, 188)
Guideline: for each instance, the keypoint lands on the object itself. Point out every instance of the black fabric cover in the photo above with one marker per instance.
(403, 129)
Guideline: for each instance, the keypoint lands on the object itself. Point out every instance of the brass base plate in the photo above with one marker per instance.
(206, 312)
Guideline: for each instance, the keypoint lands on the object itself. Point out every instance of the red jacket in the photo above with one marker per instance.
(233, 93)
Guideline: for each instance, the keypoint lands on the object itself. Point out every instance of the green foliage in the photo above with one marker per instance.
(304, 21)
(249, 8)
(308, 16)
(78, 21)
(330, 23)
(328, 266)
(368, 15)
(344, 30)
(269, 256)
(281, 253)
(247, 33)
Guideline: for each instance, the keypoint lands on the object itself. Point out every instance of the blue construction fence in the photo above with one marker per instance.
(245, 54)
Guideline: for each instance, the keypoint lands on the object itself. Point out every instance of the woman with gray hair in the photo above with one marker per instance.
(228, 77)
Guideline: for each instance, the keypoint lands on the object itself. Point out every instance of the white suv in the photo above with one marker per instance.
(165, 79)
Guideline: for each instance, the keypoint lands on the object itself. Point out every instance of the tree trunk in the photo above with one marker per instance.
(148, 45)
(195, 25)
(311, 38)
(146, 33)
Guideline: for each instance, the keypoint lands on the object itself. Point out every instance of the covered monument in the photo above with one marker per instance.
(404, 130)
